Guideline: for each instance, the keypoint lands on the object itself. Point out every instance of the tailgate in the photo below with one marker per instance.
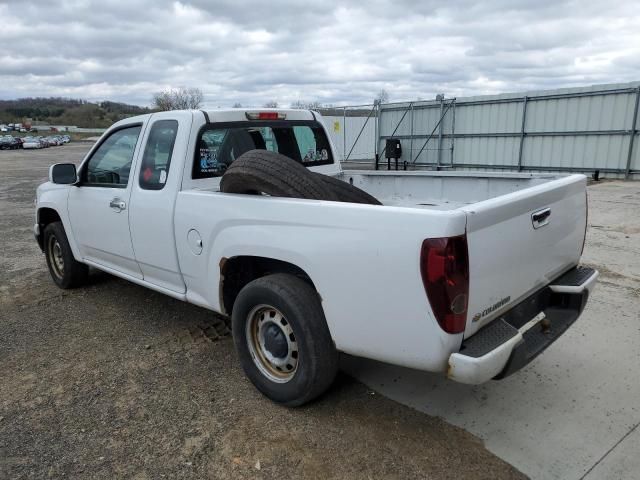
(519, 242)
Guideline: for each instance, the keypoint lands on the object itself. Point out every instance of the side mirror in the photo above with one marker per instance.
(63, 173)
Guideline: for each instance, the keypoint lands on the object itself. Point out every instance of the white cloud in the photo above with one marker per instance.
(334, 52)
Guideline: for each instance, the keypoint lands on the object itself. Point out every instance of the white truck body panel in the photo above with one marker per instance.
(362, 259)
(151, 215)
(508, 258)
(101, 233)
(329, 241)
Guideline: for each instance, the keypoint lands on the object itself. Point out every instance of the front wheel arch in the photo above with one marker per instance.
(44, 217)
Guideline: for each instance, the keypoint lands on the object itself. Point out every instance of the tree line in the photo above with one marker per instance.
(83, 113)
(67, 111)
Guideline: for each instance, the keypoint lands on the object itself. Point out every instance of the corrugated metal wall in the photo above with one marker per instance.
(577, 129)
(344, 132)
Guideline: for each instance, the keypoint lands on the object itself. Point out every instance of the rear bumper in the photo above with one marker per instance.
(513, 340)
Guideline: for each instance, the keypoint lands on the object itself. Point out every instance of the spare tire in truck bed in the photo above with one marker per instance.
(263, 171)
(345, 191)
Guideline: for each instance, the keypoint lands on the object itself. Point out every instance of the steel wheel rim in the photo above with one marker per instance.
(281, 368)
(55, 254)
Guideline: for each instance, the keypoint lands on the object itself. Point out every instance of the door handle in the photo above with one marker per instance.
(118, 204)
(540, 218)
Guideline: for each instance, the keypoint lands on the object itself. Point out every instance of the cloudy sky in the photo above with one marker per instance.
(334, 52)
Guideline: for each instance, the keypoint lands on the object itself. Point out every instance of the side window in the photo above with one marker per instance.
(270, 142)
(209, 162)
(110, 164)
(311, 150)
(157, 154)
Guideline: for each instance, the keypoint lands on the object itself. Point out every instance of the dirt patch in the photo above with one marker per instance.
(614, 275)
(113, 380)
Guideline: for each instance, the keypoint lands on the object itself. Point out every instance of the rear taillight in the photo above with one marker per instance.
(444, 266)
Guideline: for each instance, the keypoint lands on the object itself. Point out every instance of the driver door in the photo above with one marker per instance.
(99, 204)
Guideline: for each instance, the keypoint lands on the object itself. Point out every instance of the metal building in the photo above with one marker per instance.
(572, 129)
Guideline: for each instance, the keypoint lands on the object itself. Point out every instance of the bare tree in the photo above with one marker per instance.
(382, 96)
(180, 98)
(271, 104)
(237, 105)
(162, 100)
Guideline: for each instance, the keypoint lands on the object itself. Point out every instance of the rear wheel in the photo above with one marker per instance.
(63, 267)
(282, 339)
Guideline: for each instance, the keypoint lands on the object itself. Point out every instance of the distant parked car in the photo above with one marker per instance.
(32, 143)
(10, 143)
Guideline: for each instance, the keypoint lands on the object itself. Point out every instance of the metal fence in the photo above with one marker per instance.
(574, 130)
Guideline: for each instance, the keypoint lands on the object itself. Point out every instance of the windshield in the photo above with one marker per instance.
(221, 143)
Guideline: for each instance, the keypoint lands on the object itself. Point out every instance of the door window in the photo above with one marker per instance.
(110, 164)
(157, 155)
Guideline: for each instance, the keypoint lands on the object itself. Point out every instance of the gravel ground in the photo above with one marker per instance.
(113, 380)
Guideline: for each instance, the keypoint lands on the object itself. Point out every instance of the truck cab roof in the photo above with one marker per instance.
(244, 114)
(238, 115)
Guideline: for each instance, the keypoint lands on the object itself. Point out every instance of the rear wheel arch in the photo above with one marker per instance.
(238, 271)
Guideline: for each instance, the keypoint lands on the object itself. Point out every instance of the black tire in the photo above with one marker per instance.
(301, 311)
(263, 171)
(73, 273)
(345, 191)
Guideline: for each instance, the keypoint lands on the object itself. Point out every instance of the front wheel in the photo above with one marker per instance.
(65, 270)
(282, 339)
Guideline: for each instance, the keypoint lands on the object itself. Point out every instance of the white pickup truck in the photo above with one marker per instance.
(470, 274)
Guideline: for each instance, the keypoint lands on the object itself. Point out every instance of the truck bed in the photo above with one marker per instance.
(441, 190)
(523, 230)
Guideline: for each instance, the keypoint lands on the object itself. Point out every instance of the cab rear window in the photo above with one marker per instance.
(219, 144)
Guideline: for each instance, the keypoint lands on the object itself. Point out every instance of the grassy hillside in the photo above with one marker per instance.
(66, 111)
